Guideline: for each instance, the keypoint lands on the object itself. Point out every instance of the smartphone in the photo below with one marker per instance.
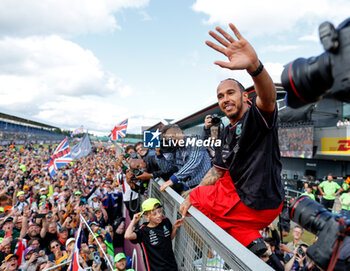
(40, 215)
(97, 259)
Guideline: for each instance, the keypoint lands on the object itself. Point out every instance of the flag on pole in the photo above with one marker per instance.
(78, 131)
(119, 131)
(75, 260)
(82, 149)
(60, 157)
(19, 250)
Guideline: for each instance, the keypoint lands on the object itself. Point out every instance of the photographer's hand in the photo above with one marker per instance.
(166, 185)
(207, 122)
(144, 176)
(129, 175)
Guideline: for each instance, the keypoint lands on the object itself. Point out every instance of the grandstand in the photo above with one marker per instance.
(21, 131)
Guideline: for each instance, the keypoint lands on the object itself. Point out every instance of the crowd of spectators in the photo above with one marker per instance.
(296, 142)
(40, 215)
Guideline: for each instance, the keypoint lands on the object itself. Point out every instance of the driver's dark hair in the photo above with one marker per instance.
(241, 87)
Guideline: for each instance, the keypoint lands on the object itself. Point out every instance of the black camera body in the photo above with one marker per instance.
(307, 80)
(215, 120)
(136, 172)
(301, 252)
(330, 229)
(139, 184)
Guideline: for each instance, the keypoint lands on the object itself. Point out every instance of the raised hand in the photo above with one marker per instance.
(178, 223)
(240, 53)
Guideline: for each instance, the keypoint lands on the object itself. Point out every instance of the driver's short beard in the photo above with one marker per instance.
(234, 116)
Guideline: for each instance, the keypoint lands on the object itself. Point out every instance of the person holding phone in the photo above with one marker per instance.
(298, 261)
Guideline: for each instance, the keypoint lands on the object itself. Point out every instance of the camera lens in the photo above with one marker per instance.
(308, 213)
(136, 171)
(305, 80)
(316, 219)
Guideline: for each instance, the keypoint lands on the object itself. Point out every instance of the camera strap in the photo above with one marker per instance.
(338, 244)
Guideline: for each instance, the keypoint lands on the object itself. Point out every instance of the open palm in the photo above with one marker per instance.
(240, 53)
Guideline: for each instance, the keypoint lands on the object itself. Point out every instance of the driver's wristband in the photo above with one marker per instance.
(258, 70)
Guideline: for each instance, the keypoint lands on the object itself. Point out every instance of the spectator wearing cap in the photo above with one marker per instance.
(156, 236)
(120, 262)
(21, 201)
(31, 256)
(9, 226)
(26, 191)
(33, 231)
(70, 247)
(93, 202)
(63, 236)
(101, 216)
(10, 263)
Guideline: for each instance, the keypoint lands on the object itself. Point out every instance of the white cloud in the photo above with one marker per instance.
(94, 113)
(125, 91)
(51, 64)
(38, 17)
(57, 81)
(280, 48)
(256, 17)
(145, 16)
(313, 38)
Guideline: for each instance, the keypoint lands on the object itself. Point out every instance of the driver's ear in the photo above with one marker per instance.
(245, 96)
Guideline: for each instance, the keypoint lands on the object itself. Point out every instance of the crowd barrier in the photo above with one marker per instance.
(201, 244)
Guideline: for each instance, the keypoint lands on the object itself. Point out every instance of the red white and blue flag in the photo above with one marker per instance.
(119, 131)
(60, 157)
(19, 250)
(78, 131)
(75, 260)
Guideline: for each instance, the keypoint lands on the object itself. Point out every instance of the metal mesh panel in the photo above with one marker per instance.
(200, 244)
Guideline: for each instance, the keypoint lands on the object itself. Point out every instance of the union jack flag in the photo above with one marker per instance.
(78, 131)
(60, 157)
(119, 131)
(75, 261)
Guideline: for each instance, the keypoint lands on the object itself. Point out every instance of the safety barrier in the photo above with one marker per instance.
(201, 244)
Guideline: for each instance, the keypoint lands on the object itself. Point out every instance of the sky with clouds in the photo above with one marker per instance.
(96, 62)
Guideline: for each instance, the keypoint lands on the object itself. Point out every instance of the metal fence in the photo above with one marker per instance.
(200, 244)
